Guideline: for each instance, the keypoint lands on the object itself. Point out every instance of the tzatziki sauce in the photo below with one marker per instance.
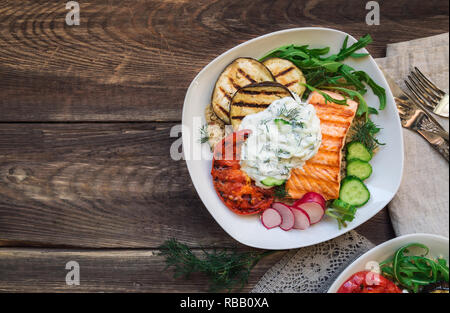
(284, 136)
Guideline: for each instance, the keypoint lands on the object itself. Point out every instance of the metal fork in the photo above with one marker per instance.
(427, 94)
(415, 118)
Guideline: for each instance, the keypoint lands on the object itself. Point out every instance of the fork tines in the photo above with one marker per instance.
(423, 89)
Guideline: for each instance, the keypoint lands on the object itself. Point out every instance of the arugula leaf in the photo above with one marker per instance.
(413, 270)
(379, 91)
(363, 108)
(373, 111)
(319, 52)
(322, 71)
(358, 55)
(346, 52)
(327, 97)
(315, 63)
(352, 78)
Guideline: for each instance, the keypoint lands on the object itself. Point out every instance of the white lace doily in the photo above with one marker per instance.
(313, 269)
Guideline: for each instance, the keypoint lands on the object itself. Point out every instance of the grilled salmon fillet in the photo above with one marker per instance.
(322, 173)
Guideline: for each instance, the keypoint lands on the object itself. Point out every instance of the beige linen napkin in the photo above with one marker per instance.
(422, 202)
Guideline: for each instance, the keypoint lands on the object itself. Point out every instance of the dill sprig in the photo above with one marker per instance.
(204, 134)
(365, 132)
(226, 270)
(290, 114)
(281, 192)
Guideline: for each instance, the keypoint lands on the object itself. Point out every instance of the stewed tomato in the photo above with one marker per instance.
(368, 282)
(233, 186)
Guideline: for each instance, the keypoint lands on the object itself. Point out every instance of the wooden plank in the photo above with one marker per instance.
(98, 185)
(133, 60)
(38, 270)
(104, 185)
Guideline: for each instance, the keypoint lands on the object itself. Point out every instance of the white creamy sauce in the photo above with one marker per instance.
(284, 136)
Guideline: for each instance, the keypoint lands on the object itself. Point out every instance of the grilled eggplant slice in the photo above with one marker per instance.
(287, 74)
(255, 98)
(240, 73)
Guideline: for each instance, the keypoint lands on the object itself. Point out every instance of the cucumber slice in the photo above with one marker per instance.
(270, 181)
(354, 191)
(281, 122)
(356, 150)
(358, 168)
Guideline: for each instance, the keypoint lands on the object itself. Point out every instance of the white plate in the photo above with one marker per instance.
(387, 164)
(438, 248)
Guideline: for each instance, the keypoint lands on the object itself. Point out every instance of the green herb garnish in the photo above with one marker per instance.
(225, 269)
(281, 192)
(414, 271)
(289, 114)
(363, 108)
(342, 212)
(328, 98)
(379, 91)
(365, 132)
(329, 71)
(204, 134)
(350, 51)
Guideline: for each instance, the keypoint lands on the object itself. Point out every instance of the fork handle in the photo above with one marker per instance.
(437, 142)
(442, 134)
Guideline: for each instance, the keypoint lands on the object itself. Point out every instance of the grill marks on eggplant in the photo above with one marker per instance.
(250, 79)
(225, 93)
(291, 83)
(240, 73)
(250, 105)
(283, 72)
(287, 74)
(255, 98)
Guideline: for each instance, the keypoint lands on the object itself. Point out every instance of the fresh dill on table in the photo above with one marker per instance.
(226, 269)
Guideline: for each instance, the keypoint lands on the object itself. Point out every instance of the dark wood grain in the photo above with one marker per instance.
(100, 185)
(133, 60)
(37, 270)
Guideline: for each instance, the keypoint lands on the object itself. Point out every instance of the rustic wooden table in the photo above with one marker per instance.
(85, 114)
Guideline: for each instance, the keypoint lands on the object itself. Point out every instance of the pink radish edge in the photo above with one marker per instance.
(312, 197)
(270, 218)
(314, 210)
(314, 204)
(287, 215)
(302, 220)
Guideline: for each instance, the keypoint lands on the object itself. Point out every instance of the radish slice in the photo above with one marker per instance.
(312, 197)
(314, 211)
(271, 218)
(286, 215)
(302, 220)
